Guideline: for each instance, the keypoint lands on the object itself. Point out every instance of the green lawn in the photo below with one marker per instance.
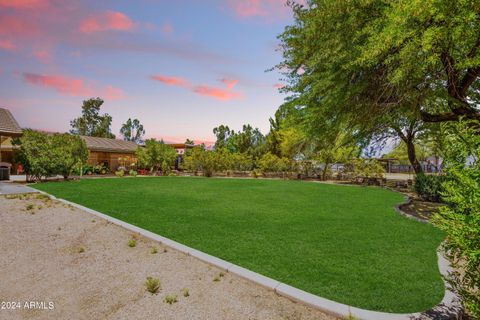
(339, 242)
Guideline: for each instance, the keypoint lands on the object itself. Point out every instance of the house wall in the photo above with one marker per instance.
(111, 159)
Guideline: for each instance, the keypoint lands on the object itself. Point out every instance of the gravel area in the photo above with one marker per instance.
(58, 262)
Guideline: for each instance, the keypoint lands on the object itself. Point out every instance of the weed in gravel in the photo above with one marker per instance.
(93, 221)
(171, 299)
(154, 250)
(132, 243)
(29, 207)
(186, 293)
(216, 279)
(152, 284)
(81, 249)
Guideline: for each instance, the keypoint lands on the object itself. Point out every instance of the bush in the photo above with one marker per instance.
(429, 187)
(120, 173)
(132, 173)
(460, 219)
(152, 284)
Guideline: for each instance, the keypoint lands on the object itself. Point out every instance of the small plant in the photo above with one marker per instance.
(154, 250)
(152, 284)
(120, 173)
(81, 249)
(132, 243)
(221, 274)
(186, 293)
(93, 220)
(165, 250)
(171, 299)
(133, 173)
(29, 207)
(216, 279)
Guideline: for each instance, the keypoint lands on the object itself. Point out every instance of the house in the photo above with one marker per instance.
(9, 129)
(112, 153)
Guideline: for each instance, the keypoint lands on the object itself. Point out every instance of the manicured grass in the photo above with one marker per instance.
(340, 242)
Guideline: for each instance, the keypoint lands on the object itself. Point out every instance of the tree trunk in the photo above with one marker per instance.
(412, 157)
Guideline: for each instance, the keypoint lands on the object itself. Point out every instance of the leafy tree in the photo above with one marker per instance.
(271, 163)
(460, 219)
(189, 142)
(203, 160)
(44, 155)
(132, 130)
(91, 123)
(223, 133)
(273, 138)
(156, 155)
(70, 152)
(387, 69)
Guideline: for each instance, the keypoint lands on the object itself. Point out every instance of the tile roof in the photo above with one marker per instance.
(109, 145)
(8, 125)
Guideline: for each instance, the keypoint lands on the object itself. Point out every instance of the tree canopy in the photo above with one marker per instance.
(132, 130)
(91, 123)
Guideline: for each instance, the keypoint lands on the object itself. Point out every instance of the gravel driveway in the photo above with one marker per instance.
(58, 262)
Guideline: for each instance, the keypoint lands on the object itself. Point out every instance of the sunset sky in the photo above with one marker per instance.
(181, 67)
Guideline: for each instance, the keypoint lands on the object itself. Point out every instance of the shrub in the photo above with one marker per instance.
(120, 173)
(132, 243)
(152, 284)
(132, 173)
(460, 219)
(429, 187)
(186, 293)
(153, 250)
(170, 299)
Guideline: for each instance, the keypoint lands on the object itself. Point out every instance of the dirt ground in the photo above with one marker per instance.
(58, 262)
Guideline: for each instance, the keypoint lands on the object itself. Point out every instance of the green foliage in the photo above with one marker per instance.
(91, 123)
(132, 243)
(271, 163)
(366, 168)
(44, 155)
(132, 130)
(461, 218)
(156, 155)
(154, 250)
(171, 299)
(119, 173)
(249, 141)
(133, 173)
(429, 187)
(152, 284)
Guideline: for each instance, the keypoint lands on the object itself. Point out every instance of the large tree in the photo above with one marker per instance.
(132, 130)
(382, 67)
(91, 122)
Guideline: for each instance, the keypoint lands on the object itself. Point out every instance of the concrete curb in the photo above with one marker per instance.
(449, 307)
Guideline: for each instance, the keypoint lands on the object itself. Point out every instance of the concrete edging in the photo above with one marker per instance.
(448, 308)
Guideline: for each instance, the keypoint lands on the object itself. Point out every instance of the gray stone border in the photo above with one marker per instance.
(448, 308)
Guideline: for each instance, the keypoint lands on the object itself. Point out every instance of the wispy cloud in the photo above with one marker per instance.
(72, 86)
(172, 81)
(271, 9)
(106, 21)
(7, 45)
(23, 4)
(218, 93)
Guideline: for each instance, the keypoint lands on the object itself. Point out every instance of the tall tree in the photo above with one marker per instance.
(91, 123)
(222, 133)
(189, 142)
(132, 130)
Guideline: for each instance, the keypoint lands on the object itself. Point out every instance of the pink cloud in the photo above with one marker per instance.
(23, 4)
(167, 28)
(7, 45)
(171, 81)
(217, 93)
(278, 85)
(230, 83)
(276, 9)
(71, 86)
(43, 55)
(109, 20)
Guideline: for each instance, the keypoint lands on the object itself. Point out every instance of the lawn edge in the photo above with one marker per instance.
(448, 308)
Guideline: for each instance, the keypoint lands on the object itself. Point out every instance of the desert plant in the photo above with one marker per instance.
(170, 299)
(81, 249)
(185, 292)
(154, 250)
(133, 173)
(152, 284)
(429, 187)
(132, 243)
